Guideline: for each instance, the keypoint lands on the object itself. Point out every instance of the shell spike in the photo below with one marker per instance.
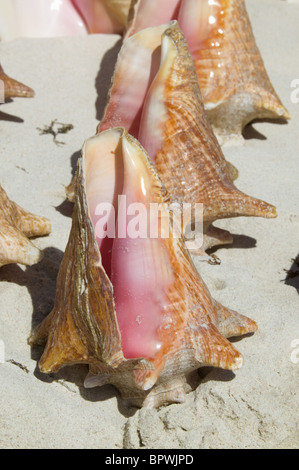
(13, 88)
(234, 203)
(216, 351)
(271, 106)
(16, 224)
(231, 323)
(30, 224)
(16, 248)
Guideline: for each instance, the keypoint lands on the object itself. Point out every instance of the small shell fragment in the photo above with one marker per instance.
(104, 16)
(12, 88)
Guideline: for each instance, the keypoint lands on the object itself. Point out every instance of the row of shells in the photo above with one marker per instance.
(188, 78)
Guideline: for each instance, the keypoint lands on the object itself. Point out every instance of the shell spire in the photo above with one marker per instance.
(171, 325)
(16, 225)
(231, 323)
(156, 97)
(13, 88)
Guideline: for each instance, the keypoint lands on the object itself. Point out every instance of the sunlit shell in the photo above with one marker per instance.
(156, 97)
(139, 315)
(232, 77)
(12, 88)
(16, 226)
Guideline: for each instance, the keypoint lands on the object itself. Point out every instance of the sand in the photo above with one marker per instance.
(257, 407)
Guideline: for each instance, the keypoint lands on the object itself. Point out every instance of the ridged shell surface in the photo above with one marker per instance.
(156, 97)
(150, 368)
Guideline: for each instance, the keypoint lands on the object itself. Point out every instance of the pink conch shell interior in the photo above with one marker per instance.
(197, 19)
(138, 267)
(131, 83)
(144, 271)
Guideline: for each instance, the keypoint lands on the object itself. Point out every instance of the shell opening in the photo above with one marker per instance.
(119, 187)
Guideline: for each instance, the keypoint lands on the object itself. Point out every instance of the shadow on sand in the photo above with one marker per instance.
(249, 132)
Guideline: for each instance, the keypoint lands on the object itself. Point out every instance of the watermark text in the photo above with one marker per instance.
(2, 352)
(295, 93)
(295, 352)
(153, 220)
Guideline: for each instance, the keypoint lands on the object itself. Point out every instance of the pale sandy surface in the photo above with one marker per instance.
(256, 408)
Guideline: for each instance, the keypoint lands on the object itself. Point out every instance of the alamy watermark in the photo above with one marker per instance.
(152, 220)
(2, 352)
(295, 93)
(295, 352)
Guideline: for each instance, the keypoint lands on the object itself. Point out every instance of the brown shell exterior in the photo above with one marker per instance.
(13, 88)
(240, 84)
(16, 226)
(82, 327)
(191, 163)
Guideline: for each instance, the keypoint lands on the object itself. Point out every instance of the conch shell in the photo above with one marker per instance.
(11, 88)
(156, 97)
(233, 81)
(138, 313)
(16, 226)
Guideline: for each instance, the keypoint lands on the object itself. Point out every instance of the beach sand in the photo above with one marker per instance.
(257, 407)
